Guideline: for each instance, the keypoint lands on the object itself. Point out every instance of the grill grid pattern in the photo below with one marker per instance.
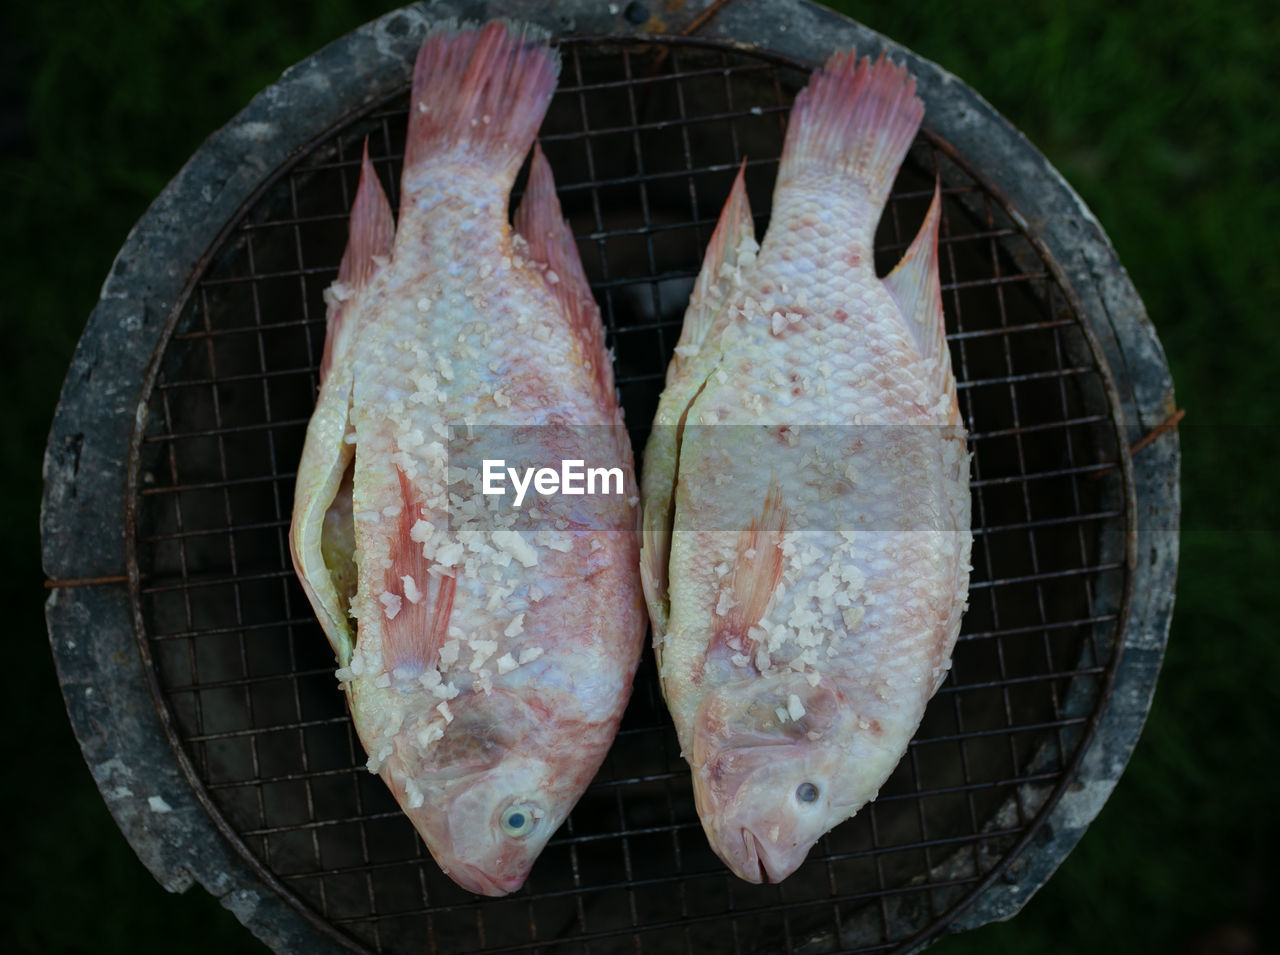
(643, 159)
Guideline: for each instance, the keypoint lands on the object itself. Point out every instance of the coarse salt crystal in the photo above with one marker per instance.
(795, 708)
(515, 626)
(449, 554)
(411, 591)
(506, 663)
(529, 654)
(481, 651)
(443, 710)
(445, 691)
(449, 652)
(390, 605)
(414, 795)
(513, 543)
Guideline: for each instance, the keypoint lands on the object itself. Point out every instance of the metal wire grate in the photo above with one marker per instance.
(644, 138)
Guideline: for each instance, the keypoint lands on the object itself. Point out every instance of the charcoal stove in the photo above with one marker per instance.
(201, 688)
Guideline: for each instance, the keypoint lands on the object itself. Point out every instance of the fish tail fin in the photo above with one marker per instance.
(479, 95)
(372, 233)
(540, 222)
(855, 118)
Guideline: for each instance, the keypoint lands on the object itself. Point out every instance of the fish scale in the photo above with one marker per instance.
(806, 514)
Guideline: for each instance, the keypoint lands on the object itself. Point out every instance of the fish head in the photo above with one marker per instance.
(490, 827)
(773, 772)
(487, 794)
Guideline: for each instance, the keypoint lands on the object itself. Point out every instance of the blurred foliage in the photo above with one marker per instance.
(1162, 115)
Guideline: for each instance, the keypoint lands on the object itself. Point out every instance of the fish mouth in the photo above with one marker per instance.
(480, 882)
(763, 862)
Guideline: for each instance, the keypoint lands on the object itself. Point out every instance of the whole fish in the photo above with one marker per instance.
(805, 546)
(487, 653)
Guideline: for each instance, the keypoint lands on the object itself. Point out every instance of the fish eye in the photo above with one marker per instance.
(807, 793)
(518, 821)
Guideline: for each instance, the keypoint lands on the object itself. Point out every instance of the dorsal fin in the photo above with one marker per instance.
(916, 287)
(369, 242)
(732, 248)
(540, 222)
(416, 603)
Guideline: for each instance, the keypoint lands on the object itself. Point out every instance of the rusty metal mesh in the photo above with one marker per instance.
(644, 140)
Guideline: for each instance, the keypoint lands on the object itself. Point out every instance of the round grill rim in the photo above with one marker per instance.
(1129, 341)
(193, 777)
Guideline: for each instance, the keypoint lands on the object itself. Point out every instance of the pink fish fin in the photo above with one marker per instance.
(916, 287)
(420, 603)
(372, 233)
(757, 571)
(854, 118)
(732, 247)
(539, 221)
(479, 95)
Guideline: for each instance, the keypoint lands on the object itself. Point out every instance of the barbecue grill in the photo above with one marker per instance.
(201, 688)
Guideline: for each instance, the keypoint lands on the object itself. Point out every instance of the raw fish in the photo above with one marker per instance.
(487, 651)
(806, 536)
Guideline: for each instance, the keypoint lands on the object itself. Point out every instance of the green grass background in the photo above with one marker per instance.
(1161, 114)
